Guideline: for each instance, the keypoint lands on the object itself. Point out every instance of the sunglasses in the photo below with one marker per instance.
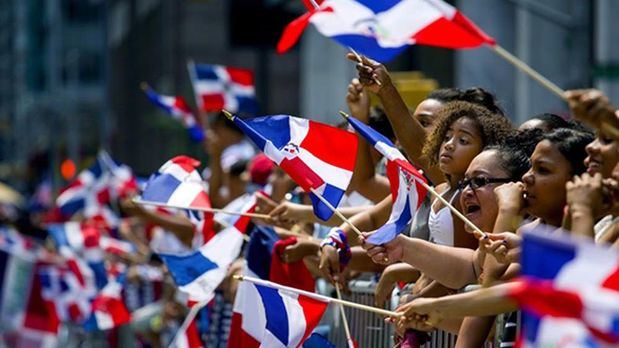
(481, 181)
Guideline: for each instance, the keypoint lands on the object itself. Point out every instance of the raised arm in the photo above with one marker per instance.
(410, 133)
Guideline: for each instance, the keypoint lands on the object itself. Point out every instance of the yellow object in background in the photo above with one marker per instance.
(412, 85)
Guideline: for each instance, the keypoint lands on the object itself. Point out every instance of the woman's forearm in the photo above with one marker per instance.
(478, 303)
(452, 267)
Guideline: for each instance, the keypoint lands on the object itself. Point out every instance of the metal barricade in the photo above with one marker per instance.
(370, 330)
(367, 329)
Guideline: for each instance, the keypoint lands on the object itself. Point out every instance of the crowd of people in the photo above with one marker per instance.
(549, 171)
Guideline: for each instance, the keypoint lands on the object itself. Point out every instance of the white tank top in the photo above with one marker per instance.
(441, 224)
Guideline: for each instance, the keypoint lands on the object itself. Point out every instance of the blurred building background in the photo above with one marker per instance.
(70, 69)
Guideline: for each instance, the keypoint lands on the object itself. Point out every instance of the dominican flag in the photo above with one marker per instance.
(178, 184)
(96, 186)
(73, 240)
(200, 273)
(69, 289)
(90, 187)
(219, 87)
(178, 109)
(405, 181)
(569, 293)
(122, 181)
(315, 155)
(108, 308)
(276, 318)
(245, 204)
(383, 29)
(295, 321)
(41, 322)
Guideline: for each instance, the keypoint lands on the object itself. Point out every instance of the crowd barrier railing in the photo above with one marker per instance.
(370, 330)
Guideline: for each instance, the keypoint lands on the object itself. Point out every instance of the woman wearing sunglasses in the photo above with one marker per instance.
(460, 266)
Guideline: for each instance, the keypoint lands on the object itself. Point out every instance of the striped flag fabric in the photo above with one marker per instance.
(383, 29)
(69, 289)
(316, 156)
(198, 274)
(219, 87)
(275, 318)
(405, 182)
(282, 320)
(177, 183)
(177, 107)
(95, 186)
(569, 292)
(108, 308)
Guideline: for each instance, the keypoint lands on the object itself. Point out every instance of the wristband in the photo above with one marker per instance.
(337, 239)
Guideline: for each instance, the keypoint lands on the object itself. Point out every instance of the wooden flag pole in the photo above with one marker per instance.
(188, 319)
(337, 212)
(478, 232)
(206, 210)
(524, 67)
(551, 86)
(315, 296)
(351, 343)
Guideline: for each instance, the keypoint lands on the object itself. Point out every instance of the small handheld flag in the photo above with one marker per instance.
(178, 109)
(318, 157)
(219, 87)
(406, 189)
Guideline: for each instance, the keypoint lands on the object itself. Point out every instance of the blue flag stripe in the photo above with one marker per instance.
(160, 188)
(275, 311)
(186, 269)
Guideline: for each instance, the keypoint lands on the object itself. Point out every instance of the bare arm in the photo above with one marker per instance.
(455, 268)
(482, 302)
(288, 211)
(180, 226)
(409, 131)
(474, 331)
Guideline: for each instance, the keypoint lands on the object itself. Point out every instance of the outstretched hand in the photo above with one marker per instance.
(372, 74)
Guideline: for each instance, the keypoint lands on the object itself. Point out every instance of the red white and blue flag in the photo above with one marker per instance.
(200, 273)
(245, 204)
(276, 318)
(316, 156)
(383, 29)
(90, 187)
(85, 239)
(179, 110)
(108, 308)
(264, 316)
(569, 292)
(405, 181)
(219, 87)
(69, 288)
(96, 186)
(178, 184)
(75, 241)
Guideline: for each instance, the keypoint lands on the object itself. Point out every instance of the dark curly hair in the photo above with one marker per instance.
(571, 143)
(475, 95)
(515, 152)
(494, 128)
